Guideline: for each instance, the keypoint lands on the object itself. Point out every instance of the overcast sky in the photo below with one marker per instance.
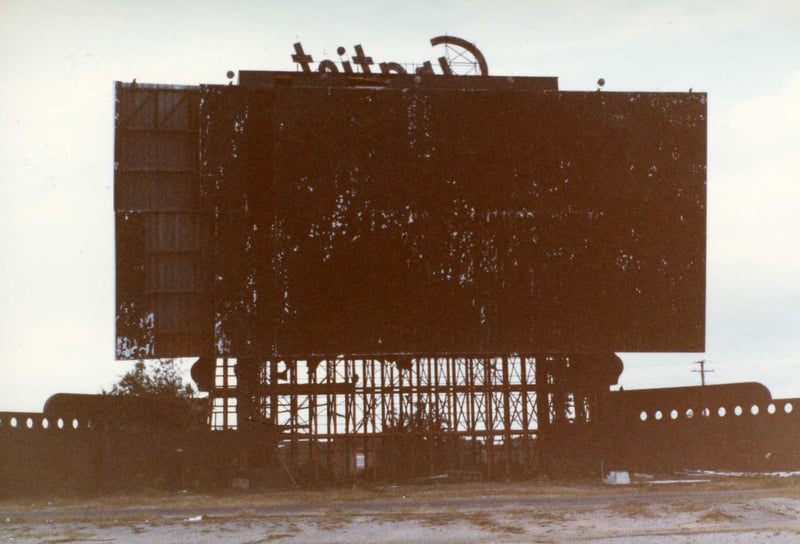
(58, 62)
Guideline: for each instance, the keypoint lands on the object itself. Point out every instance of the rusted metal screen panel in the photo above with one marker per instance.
(364, 221)
(162, 233)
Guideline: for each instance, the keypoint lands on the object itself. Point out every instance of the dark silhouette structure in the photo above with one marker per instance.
(396, 275)
(348, 254)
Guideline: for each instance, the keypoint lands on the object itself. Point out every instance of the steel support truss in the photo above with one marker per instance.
(408, 416)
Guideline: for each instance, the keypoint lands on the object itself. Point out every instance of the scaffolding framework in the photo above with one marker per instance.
(341, 414)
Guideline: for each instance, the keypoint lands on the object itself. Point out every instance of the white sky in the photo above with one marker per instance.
(58, 61)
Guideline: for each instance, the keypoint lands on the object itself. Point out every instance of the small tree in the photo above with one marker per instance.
(160, 380)
(151, 403)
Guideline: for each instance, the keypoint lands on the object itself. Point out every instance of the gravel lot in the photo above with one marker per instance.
(730, 511)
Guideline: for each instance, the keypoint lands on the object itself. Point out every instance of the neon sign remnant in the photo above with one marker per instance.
(364, 62)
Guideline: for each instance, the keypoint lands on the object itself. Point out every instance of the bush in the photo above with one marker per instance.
(161, 379)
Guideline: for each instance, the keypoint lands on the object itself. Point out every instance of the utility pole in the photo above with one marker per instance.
(702, 372)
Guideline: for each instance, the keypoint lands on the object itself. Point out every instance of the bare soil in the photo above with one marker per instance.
(725, 510)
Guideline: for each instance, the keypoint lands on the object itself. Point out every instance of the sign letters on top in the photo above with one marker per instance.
(360, 59)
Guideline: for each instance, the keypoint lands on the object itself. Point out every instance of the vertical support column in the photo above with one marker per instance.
(383, 392)
(401, 400)
(469, 362)
(441, 426)
(226, 397)
(451, 403)
(330, 415)
(542, 410)
(542, 394)
(561, 397)
(274, 408)
(294, 416)
(523, 373)
(347, 424)
(414, 412)
(394, 401)
(506, 417)
(313, 422)
(489, 416)
(432, 423)
(368, 429)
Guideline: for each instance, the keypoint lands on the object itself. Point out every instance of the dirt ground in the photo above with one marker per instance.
(731, 510)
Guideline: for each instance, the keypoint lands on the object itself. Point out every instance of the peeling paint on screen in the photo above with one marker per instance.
(367, 221)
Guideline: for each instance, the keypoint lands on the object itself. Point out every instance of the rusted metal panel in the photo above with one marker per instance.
(175, 232)
(156, 107)
(156, 191)
(375, 220)
(157, 151)
(162, 232)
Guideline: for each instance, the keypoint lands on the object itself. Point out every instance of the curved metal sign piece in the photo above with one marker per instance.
(464, 44)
